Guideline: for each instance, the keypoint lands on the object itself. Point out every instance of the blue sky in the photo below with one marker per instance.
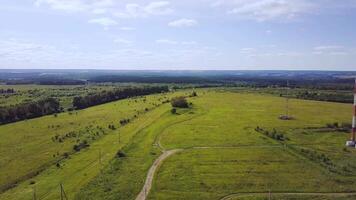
(178, 34)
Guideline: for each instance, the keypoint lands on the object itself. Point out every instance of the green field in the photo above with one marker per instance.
(222, 153)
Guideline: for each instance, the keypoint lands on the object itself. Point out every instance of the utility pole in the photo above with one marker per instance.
(34, 193)
(63, 194)
(287, 100)
(100, 157)
(269, 194)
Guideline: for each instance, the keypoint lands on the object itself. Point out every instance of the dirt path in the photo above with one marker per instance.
(149, 179)
(341, 194)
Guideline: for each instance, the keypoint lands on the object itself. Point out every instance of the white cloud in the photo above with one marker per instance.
(266, 10)
(15, 47)
(94, 6)
(166, 41)
(99, 11)
(174, 42)
(24, 53)
(65, 5)
(189, 43)
(134, 10)
(328, 48)
(159, 8)
(183, 23)
(335, 50)
(104, 21)
(123, 41)
(248, 50)
(127, 28)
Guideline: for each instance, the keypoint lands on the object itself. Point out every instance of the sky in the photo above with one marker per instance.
(178, 34)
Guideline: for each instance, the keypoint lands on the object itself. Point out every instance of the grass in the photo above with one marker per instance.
(294, 197)
(230, 122)
(39, 150)
(124, 177)
(80, 168)
(214, 173)
(223, 154)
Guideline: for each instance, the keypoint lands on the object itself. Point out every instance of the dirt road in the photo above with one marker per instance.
(148, 183)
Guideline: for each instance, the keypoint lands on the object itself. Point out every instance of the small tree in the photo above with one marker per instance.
(179, 102)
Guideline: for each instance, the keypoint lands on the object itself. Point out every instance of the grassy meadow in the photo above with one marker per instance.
(222, 153)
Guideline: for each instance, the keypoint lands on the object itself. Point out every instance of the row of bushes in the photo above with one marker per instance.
(325, 96)
(29, 110)
(7, 91)
(272, 134)
(108, 96)
(315, 156)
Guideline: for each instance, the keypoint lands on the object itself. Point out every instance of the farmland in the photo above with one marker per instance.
(222, 153)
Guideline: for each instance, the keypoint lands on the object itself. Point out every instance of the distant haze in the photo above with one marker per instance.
(178, 34)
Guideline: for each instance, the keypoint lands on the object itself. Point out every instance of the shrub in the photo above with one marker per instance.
(174, 111)
(80, 146)
(179, 102)
(120, 154)
(194, 94)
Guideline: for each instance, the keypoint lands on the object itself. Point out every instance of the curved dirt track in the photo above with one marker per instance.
(149, 179)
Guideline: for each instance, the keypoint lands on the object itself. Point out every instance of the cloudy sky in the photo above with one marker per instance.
(178, 34)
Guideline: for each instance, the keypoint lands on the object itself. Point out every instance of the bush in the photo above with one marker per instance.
(120, 154)
(80, 146)
(179, 102)
(174, 111)
(194, 94)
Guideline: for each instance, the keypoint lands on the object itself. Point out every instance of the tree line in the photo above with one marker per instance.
(82, 102)
(7, 91)
(29, 110)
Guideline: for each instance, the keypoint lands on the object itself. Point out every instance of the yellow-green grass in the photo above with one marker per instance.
(27, 147)
(241, 160)
(80, 168)
(294, 197)
(229, 122)
(232, 117)
(215, 173)
(124, 177)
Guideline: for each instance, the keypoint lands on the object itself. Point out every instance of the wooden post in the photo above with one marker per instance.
(100, 157)
(34, 193)
(63, 194)
(269, 196)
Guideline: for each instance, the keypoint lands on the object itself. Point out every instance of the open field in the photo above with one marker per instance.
(49, 139)
(222, 153)
(65, 93)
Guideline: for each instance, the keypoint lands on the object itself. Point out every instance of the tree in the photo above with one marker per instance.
(179, 102)
(194, 94)
(29, 110)
(108, 96)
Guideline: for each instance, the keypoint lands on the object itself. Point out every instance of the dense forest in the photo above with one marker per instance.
(29, 110)
(108, 96)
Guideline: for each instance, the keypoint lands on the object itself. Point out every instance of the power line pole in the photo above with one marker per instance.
(100, 157)
(269, 194)
(287, 100)
(63, 194)
(34, 193)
